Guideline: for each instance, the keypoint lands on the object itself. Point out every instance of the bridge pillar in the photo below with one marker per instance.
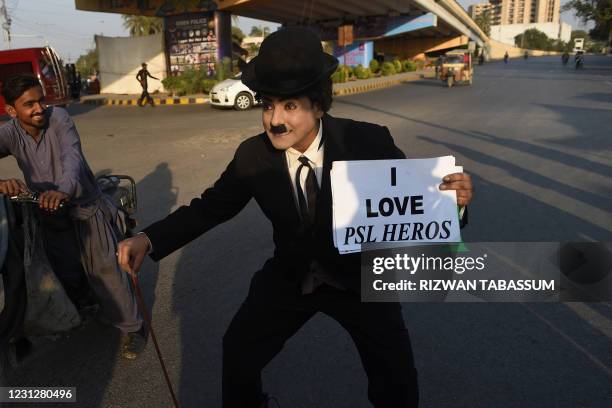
(223, 32)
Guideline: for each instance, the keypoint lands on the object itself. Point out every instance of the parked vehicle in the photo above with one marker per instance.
(232, 93)
(43, 63)
(457, 68)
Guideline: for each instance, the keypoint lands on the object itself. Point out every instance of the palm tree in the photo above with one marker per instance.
(142, 25)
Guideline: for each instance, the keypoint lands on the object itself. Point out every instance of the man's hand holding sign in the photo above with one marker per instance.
(397, 201)
(462, 184)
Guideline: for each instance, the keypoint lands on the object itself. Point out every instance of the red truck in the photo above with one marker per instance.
(42, 63)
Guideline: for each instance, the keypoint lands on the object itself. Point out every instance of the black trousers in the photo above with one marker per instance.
(145, 98)
(274, 311)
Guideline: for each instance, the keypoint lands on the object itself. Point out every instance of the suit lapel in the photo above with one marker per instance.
(279, 188)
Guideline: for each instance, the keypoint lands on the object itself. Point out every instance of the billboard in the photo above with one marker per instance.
(191, 42)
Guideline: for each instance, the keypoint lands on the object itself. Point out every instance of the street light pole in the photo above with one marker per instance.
(6, 25)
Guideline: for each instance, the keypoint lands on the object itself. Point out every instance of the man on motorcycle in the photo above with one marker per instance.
(565, 58)
(579, 60)
(81, 238)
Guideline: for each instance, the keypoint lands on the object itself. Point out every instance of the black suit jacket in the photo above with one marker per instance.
(260, 171)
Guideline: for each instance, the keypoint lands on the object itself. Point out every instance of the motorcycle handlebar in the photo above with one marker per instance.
(28, 197)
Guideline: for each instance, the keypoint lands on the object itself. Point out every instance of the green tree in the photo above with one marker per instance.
(256, 32)
(87, 64)
(224, 69)
(142, 25)
(259, 31)
(579, 34)
(483, 20)
(533, 39)
(253, 49)
(237, 34)
(597, 11)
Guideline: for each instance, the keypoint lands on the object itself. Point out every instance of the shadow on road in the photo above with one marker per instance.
(541, 151)
(597, 97)
(157, 196)
(513, 207)
(84, 358)
(211, 280)
(529, 354)
(585, 121)
(78, 108)
(582, 123)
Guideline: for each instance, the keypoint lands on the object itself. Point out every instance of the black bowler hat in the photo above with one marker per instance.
(290, 60)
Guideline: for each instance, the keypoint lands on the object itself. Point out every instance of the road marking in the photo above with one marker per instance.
(593, 317)
(570, 340)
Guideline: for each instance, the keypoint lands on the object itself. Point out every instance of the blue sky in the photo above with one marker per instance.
(70, 32)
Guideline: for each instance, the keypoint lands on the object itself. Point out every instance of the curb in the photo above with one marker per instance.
(378, 85)
(157, 101)
(201, 100)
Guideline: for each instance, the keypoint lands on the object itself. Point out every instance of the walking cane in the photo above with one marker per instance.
(147, 319)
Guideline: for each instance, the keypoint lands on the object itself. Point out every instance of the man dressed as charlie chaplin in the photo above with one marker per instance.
(286, 169)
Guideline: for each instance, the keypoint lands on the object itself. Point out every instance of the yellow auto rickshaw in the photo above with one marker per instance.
(457, 68)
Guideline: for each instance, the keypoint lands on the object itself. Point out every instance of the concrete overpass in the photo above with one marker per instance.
(395, 28)
(452, 20)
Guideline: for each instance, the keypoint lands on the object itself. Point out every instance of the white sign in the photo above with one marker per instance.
(393, 201)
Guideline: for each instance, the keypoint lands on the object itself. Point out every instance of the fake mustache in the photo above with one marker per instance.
(278, 129)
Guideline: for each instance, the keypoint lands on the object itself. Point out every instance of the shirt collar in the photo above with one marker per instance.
(314, 153)
(26, 136)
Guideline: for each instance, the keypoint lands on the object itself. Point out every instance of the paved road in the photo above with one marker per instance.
(536, 137)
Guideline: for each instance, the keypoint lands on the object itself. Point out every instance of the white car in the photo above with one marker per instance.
(232, 92)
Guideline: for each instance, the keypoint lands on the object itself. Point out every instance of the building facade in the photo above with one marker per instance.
(504, 12)
(555, 31)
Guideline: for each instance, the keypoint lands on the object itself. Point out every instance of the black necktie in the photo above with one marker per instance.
(307, 208)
